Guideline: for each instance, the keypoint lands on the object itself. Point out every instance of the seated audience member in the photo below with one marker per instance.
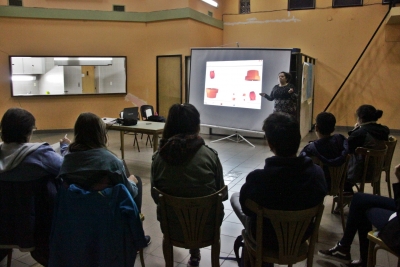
(366, 133)
(23, 161)
(286, 182)
(367, 210)
(330, 149)
(89, 164)
(184, 166)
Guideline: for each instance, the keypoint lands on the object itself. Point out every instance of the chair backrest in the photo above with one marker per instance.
(26, 210)
(337, 175)
(199, 219)
(391, 145)
(146, 111)
(372, 169)
(291, 227)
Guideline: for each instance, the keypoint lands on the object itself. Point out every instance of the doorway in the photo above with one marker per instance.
(169, 82)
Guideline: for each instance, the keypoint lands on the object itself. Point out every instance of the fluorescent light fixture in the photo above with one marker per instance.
(94, 58)
(211, 2)
(23, 78)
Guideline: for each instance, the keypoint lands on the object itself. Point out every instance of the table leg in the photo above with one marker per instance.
(155, 142)
(122, 143)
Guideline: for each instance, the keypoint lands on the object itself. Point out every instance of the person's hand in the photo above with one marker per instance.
(133, 179)
(290, 91)
(65, 140)
(262, 94)
(397, 172)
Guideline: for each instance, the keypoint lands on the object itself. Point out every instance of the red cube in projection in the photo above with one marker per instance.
(252, 96)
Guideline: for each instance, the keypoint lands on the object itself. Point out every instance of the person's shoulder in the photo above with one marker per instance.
(208, 149)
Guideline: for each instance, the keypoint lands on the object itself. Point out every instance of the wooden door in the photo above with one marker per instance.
(169, 82)
(88, 83)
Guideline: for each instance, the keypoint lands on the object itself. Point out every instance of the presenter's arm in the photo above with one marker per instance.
(269, 97)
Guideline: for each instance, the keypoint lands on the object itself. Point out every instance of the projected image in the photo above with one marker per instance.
(233, 83)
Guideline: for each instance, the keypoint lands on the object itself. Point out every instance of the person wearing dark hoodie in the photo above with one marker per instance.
(330, 149)
(23, 161)
(184, 166)
(286, 182)
(366, 133)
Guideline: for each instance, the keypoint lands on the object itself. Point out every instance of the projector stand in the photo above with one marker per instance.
(239, 138)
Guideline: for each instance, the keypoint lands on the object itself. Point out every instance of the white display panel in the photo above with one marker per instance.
(233, 83)
(221, 111)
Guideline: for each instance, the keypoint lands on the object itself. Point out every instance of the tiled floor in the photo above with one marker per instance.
(238, 159)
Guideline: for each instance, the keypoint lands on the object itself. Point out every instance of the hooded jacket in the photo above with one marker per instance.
(87, 168)
(284, 184)
(28, 161)
(369, 135)
(331, 151)
(185, 167)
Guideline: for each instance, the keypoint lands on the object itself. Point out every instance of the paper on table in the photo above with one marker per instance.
(148, 113)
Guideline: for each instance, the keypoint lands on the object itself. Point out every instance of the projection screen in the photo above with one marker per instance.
(225, 84)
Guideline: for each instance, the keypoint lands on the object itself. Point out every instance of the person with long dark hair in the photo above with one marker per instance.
(284, 95)
(184, 166)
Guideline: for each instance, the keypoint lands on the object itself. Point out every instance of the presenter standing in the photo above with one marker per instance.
(284, 95)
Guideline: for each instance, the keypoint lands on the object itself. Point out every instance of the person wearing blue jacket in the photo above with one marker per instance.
(330, 149)
(26, 163)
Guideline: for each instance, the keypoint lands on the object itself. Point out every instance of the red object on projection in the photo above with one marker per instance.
(252, 75)
(212, 74)
(211, 92)
(252, 95)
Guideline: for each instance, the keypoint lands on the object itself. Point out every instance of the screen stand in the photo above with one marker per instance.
(239, 138)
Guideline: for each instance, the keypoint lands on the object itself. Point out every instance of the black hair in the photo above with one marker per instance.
(283, 133)
(326, 123)
(368, 113)
(288, 76)
(16, 125)
(182, 119)
(89, 133)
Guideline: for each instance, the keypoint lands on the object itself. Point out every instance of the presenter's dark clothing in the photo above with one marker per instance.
(284, 184)
(367, 210)
(331, 151)
(284, 101)
(369, 135)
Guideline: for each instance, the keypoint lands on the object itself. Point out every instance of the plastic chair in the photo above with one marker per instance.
(145, 112)
(135, 141)
(391, 145)
(199, 223)
(290, 228)
(338, 177)
(373, 164)
(375, 243)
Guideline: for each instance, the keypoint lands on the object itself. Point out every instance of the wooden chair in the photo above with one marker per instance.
(375, 243)
(338, 177)
(391, 145)
(290, 228)
(199, 223)
(373, 164)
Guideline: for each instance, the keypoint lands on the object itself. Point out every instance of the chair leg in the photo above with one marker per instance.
(168, 254)
(371, 257)
(215, 250)
(141, 257)
(9, 258)
(388, 183)
(149, 140)
(135, 141)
